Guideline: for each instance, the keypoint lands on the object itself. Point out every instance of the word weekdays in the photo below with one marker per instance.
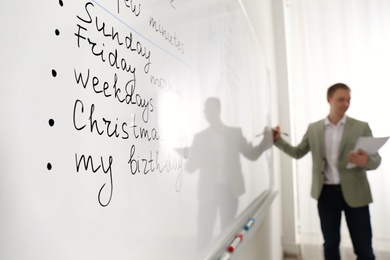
(124, 93)
(136, 165)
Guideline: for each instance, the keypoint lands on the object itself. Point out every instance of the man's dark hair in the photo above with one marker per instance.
(332, 89)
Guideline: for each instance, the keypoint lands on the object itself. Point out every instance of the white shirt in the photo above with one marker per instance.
(333, 134)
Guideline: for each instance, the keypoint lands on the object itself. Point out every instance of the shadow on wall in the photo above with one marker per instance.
(215, 152)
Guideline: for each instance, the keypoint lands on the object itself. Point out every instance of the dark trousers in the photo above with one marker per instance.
(330, 206)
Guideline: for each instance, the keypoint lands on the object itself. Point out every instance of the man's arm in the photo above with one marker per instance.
(362, 159)
(296, 152)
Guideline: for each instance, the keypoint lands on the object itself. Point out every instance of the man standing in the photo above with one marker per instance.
(336, 187)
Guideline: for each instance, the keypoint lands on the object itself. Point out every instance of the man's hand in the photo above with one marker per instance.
(359, 158)
(276, 133)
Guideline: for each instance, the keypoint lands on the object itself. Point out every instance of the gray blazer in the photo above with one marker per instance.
(354, 182)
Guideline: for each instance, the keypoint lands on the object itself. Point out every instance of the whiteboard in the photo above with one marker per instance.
(129, 129)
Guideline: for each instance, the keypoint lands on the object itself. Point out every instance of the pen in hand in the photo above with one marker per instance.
(258, 135)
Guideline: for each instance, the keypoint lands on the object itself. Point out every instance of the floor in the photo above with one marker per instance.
(314, 252)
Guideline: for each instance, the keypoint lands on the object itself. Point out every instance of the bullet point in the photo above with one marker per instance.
(57, 32)
(54, 73)
(49, 166)
(51, 122)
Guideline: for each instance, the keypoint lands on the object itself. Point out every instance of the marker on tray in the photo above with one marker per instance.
(242, 233)
(225, 256)
(235, 243)
(249, 224)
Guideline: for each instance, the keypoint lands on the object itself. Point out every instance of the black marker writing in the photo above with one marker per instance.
(131, 6)
(154, 164)
(112, 56)
(83, 117)
(165, 85)
(88, 164)
(168, 36)
(172, 4)
(124, 92)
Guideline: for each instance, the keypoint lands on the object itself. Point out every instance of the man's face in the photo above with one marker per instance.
(339, 102)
